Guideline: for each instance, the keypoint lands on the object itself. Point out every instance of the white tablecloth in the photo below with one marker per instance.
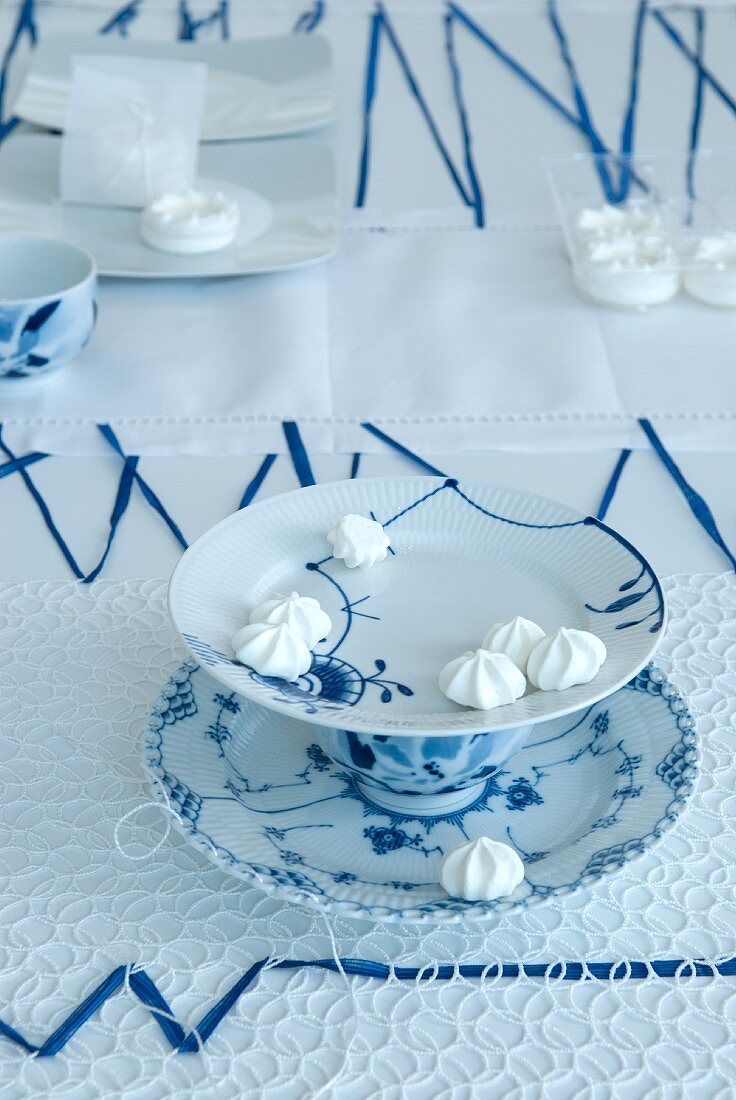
(80, 668)
(350, 351)
(465, 338)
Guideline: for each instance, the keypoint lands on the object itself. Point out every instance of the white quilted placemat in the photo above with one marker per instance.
(80, 666)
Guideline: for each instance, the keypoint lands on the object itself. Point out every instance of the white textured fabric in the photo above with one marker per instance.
(451, 338)
(80, 667)
(486, 345)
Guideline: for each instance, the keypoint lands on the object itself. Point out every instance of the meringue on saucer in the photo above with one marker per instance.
(482, 680)
(481, 870)
(272, 649)
(516, 638)
(360, 542)
(302, 613)
(565, 659)
(190, 222)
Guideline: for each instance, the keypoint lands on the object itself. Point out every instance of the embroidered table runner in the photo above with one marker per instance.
(449, 315)
(80, 667)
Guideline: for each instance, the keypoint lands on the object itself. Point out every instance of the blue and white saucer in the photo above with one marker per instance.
(254, 791)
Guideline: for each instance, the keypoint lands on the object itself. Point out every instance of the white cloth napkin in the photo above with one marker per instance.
(448, 338)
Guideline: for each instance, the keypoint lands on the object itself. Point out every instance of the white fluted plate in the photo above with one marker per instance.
(463, 557)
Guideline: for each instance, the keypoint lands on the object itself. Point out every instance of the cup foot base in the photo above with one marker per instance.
(422, 805)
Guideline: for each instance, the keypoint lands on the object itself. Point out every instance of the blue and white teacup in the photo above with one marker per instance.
(47, 303)
(442, 772)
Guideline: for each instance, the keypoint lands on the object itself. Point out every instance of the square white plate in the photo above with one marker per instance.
(257, 88)
(296, 177)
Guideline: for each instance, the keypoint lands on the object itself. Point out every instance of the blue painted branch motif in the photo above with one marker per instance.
(386, 685)
(334, 683)
(632, 598)
(18, 341)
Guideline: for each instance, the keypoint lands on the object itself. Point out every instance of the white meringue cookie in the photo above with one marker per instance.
(359, 541)
(481, 870)
(565, 659)
(482, 680)
(272, 650)
(516, 638)
(302, 613)
(190, 221)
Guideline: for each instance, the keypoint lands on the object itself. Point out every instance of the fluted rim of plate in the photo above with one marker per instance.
(358, 721)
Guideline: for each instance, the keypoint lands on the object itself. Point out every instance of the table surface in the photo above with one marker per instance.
(648, 507)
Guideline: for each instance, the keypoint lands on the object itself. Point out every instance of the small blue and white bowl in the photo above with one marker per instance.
(445, 772)
(47, 304)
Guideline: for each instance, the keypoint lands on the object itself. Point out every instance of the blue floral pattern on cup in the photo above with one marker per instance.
(40, 333)
(422, 765)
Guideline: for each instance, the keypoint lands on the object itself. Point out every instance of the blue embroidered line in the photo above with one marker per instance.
(369, 93)
(45, 513)
(697, 115)
(556, 104)
(189, 28)
(613, 194)
(706, 74)
(310, 20)
(610, 489)
(457, 89)
(147, 992)
(402, 449)
(255, 483)
(119, 508)
(381, 23)
(122, 499)
(627, 133)
(144, 487)
(25, 24)
(298, 452)
(515, 66)
(216, 1015)
(122, 19)
(697, 504)
(581, 102)
(355, 465)
(82, 1013)
(15, 464)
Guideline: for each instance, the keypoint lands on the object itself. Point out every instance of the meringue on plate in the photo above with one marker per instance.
(481, 870)
(358, 541)
(190, 222)
(272, 649)
(516, 638)
(482, 680)
(302, 613)
(565, 659)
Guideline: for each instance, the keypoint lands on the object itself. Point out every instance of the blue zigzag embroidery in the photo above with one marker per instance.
(145, 989)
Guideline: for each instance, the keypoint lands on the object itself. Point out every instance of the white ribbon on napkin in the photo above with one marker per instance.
(132, 129)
